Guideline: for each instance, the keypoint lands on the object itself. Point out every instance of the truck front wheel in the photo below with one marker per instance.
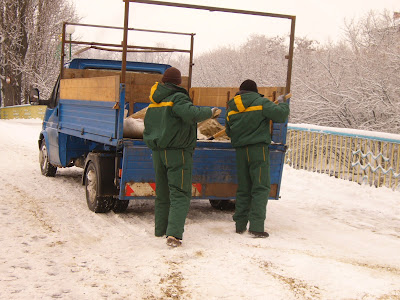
(96, 203)
(46, 167)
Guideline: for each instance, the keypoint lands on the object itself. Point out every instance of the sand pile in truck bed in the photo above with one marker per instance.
(208, 128)
(133, 127)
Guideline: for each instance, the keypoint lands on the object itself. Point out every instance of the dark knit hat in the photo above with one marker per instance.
(172, 75)
(249, 85)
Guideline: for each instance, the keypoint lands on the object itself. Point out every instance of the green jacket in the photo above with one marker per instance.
(248, 117)
(171, 118)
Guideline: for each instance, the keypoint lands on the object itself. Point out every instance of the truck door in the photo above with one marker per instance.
(51, 126)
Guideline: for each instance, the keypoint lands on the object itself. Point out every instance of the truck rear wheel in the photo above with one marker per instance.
(223, 204)
(46, 167)
(120, 205)
(95, 202)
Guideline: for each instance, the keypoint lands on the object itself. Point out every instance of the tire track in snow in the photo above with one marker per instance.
(373, 267)
(26, 203)
(299, 288)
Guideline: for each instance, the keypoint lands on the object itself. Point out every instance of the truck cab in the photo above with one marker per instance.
(56, 144)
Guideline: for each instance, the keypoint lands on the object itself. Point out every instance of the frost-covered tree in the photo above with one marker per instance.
(260, 58)
(375, 44)
(354, 83)
(30, 45)
(321, 85)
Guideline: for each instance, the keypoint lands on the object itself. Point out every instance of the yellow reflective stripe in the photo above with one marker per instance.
(250, 108)
(253, 108)
(239, 103)
(152, 91)
(264, 153)
(161, 104)
(247, 151)
(232, 112)
(183, 160)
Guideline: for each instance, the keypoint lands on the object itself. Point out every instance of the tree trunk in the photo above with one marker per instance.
(9, 94)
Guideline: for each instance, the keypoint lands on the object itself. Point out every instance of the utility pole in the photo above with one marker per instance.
(1, 93)
(70, 30)
(1, 76)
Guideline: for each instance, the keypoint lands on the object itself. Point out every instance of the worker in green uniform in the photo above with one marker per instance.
(171, 133)
(247, 124)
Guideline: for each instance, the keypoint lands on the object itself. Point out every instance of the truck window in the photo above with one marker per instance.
(55, 94)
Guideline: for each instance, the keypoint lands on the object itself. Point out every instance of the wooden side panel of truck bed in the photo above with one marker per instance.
(137, 88)
(219, 96)
(91, 89)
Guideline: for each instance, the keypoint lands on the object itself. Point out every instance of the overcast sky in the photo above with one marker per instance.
(315, 19)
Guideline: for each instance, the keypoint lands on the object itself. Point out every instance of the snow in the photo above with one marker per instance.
(329, 239)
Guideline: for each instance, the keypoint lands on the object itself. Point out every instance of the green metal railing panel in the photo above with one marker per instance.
(360, 156)
(23, 112)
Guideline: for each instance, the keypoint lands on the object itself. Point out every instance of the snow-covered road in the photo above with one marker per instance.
(329, 239)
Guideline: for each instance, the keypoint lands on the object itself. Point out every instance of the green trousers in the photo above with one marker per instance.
(173, 169)
(253, 187)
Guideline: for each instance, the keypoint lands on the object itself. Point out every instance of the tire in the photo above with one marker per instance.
(120, 205)
(223, 204)
(96, 203)
(46, 167)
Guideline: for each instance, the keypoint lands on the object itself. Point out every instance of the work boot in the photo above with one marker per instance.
(257, 234)
(173, 241)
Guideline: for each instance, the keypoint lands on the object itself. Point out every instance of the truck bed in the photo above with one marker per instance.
(214, 170)
(84, 116)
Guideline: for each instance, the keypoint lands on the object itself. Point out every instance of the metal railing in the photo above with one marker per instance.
(24, 111)
(360, 156)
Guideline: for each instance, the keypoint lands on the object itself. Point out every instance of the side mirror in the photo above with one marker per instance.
(34, 96)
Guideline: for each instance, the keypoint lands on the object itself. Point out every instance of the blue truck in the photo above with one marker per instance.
(84, 123)
(88, 133)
